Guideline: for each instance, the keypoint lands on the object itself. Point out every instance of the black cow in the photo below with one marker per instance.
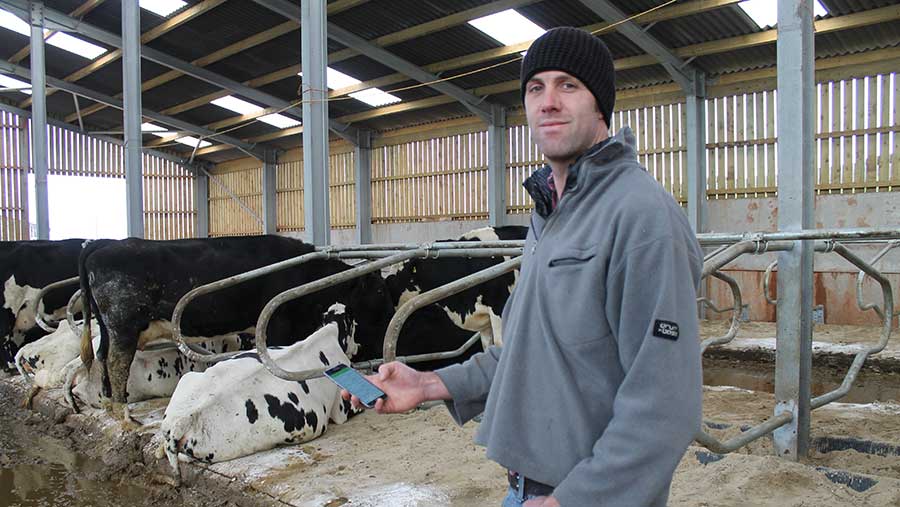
(476, 309)
(133, 286)
(25, 268)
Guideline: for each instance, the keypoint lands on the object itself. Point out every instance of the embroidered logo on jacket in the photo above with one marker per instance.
(665, 329)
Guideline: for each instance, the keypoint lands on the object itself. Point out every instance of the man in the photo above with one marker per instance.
(596, 392)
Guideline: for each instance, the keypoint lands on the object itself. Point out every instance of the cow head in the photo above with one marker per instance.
(398, 280)
(372, 308)
(340, 315)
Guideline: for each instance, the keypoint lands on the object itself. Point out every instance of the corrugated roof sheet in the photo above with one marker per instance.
(237, 20)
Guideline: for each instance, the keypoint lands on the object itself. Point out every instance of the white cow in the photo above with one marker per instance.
(154, 372)
(44, 360)
(236, 407)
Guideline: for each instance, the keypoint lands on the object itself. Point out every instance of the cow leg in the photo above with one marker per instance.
(118, 366)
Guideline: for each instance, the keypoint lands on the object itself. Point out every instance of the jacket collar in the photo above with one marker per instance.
(540, 191)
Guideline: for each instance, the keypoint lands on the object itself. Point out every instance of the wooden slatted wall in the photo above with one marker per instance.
(13, 178)
(169, 210)
(431, 179)
(226, 216)
(445, 177)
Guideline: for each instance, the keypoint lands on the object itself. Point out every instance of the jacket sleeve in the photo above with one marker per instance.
(651, 309)
(469, 384)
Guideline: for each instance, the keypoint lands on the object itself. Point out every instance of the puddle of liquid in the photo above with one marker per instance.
(40, 471)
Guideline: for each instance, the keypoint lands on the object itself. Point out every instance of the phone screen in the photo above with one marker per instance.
(353, 381)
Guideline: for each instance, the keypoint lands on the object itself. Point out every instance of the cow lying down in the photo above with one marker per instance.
(236, 407)
(154, 372)
(44, 361)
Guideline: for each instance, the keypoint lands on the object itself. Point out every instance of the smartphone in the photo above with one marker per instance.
(353, 381)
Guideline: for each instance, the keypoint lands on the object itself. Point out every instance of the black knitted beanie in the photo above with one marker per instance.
(578, 53)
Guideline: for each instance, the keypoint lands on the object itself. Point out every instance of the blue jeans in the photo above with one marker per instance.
(512, 499)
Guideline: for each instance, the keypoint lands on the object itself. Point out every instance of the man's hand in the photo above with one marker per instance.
(541, 501)
(405, 388)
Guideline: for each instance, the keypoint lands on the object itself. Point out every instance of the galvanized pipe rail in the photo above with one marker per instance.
(777, 421)
(735, 314)
(38, 314)
(284, 297)
(426, 250)
(862, 276)
(70, 311)
(436, 294)
(714, 239)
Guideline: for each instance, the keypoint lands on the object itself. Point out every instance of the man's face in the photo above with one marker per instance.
(563, 116)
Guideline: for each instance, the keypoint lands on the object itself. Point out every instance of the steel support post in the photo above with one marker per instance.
(24, 161)
(201, 202)
(696, 153)
(796, 136)
(315, 122)
(131, 83)
(39, 121)
(363, 169)
(497, 167)
(269, 196)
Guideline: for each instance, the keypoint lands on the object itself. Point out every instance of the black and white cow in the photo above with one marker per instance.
(25, 268)
(236, 407)
(477, 309)
(154, 372)
(44, 360)
(133, 286)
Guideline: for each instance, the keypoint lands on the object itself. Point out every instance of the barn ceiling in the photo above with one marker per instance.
(246, 42)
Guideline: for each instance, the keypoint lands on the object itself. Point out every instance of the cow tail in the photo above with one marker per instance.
(87, 299)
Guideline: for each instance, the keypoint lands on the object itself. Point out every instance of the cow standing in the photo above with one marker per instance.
(25, 268)
(477, 309)
(133, 286)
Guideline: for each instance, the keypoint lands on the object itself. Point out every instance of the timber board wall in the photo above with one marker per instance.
(168, 188)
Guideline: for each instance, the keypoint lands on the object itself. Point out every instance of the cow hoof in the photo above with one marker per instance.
(165, 479)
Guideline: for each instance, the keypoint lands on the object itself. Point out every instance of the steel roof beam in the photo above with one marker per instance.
(681, 72)
(66, 23)
(345, 37)
(118, 104)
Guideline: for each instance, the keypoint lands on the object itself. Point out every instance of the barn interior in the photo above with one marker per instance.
(411, 129)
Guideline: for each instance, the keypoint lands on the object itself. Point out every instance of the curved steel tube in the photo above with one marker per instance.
(297, 292)
(862, 276)
(196, 353)
(766, 279)
(38, 314)
(710, 442)
(426, 298)
(70, 312)
(434, 356)
(887, 321)
(735, 314)
(437, 245)
(714, 238)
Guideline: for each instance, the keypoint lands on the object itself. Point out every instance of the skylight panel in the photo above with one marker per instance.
(162, 7)
(12, 22)
(158, 131)
(76, 45)
(240, 106)
(237, 105)
(765, 12)
(192, 141)
(61, 40)
(8, 82)
(279, 120)
(374, 97)
(508, 27)
(150, 128)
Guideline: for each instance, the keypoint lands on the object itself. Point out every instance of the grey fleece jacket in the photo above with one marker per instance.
(597, 388)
